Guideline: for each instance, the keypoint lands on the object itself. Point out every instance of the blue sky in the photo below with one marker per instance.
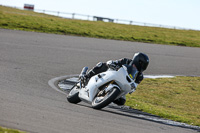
(181, 13)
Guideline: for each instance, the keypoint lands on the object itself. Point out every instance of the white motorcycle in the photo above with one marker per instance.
(104, 88)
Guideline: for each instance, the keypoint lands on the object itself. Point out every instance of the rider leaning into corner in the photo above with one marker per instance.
(140, 61)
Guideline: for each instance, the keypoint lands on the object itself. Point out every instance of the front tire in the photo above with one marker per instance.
(102, 101)
(73, 95)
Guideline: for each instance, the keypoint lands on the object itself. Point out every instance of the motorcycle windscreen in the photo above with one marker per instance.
(132, 71)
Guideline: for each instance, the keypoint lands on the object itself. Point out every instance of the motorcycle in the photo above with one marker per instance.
(104, 88)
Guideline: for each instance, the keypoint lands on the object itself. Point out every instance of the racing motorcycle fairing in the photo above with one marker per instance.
(123, 79)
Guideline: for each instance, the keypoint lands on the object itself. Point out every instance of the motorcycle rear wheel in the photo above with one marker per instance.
(102, 101)
(73, 95)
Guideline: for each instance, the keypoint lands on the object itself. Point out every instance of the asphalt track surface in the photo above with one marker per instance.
(28, 60)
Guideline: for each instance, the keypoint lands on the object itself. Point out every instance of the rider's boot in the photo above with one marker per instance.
(85, 78)
(100, 67)
(90, 74)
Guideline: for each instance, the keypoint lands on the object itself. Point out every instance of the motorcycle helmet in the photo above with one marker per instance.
(141, 61)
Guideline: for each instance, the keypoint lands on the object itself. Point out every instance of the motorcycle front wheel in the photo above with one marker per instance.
(102, 100)
(73, 95)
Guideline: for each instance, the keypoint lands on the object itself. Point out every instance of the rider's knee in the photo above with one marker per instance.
(120, 101)
(100, 67)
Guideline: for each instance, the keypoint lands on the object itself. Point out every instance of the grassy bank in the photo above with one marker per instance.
(6, 130)
(172, 98)
(31, 21)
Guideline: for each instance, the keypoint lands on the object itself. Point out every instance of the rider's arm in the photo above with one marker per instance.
(139, 78)
(112, 64)
(119, 62)
(123, 61)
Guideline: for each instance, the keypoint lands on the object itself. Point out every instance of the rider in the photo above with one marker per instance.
(140, 61)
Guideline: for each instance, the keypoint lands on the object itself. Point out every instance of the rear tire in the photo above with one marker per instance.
(73, 95)
(102, 101)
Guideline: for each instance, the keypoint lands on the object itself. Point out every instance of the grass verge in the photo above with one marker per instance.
(176, 98)
(30, 21)
(6, 130)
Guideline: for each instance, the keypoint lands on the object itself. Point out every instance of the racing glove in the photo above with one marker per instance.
(113, 65)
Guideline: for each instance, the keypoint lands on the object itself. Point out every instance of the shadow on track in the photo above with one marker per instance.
(136, 114)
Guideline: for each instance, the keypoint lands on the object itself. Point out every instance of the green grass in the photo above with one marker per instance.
(11, 18)
(6, 130)
(176, 98)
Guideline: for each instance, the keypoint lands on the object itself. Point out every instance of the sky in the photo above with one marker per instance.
(179, 13)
